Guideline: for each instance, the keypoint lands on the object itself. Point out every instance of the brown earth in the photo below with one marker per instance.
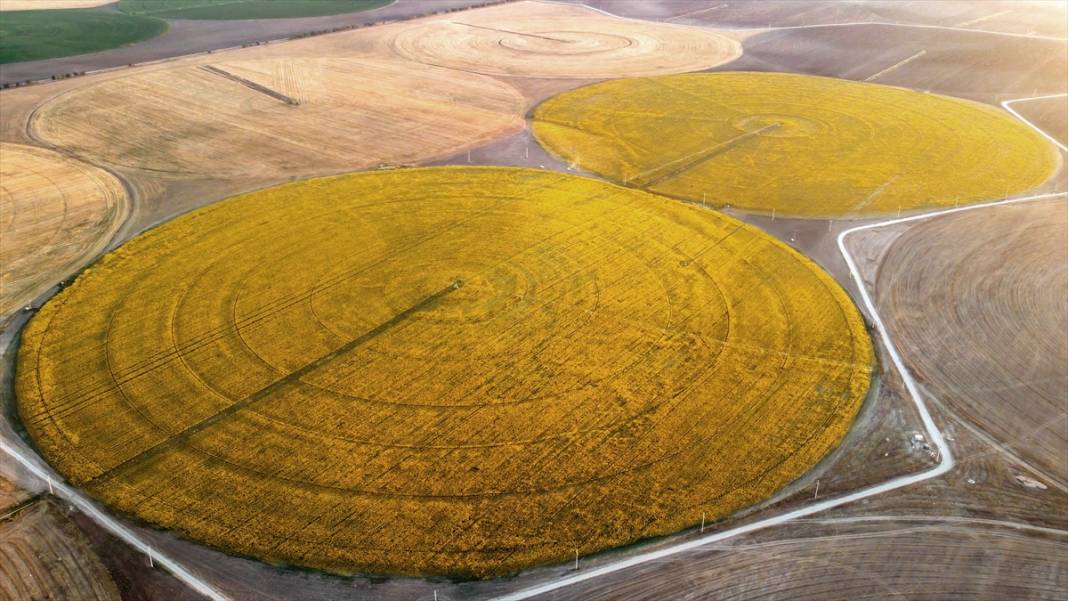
(978, 303)
(1049, 114)
(44, 556)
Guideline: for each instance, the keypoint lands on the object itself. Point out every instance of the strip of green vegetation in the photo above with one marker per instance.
(245, 9)
(27, 35)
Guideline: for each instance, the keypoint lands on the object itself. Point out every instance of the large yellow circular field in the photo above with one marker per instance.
(442, 371)
(794, 144)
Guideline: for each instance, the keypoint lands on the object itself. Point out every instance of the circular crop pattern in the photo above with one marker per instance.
(294, 116)
(793, 144)
(442, 371)
(570, 44)
(55, 213)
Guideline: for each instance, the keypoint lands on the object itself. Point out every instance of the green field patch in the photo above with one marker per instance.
(245, 9)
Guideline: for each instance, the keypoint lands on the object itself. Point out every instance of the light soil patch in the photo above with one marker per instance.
(55, 213)
(6, 5)
(793, 144)
(44, 556)
(459, 371)
(997, 354)
(532, 39)
(273, 116)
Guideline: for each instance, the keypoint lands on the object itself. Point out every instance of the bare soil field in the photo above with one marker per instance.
(1043, 18)
(996, 353)
(977, 66)
(55, 213)
(991, 481)
(1049, 114)
(892, 559)
(43, 555)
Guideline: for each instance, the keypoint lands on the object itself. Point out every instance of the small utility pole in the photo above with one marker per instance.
(576, 559)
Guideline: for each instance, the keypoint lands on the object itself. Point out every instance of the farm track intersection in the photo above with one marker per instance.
(427, 597)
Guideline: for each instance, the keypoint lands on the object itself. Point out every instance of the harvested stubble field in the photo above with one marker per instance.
(533, 39)
(442, 371)
(995, 355)
(279, 116)
(793, 144)
(55, 213)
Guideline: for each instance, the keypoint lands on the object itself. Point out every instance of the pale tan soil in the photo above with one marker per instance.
(531, 39)
(55, 213)
(325, 114)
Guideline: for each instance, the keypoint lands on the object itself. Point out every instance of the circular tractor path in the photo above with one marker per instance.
(55, 213)
(442, 371)
(552, 41)
(798, 145)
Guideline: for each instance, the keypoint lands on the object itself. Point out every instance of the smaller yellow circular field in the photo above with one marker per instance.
(794, 144)
(551, 41)
(442, 371)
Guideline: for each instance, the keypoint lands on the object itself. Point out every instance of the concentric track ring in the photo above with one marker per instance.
(442, 370)
(568, 42)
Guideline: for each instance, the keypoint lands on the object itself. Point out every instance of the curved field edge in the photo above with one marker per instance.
(89, 220)
(28, 358)
(42, 34)
(568, 141)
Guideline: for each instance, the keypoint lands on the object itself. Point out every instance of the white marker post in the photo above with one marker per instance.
(50, 491)
(817, 489)
(702, 521)
(576, 560)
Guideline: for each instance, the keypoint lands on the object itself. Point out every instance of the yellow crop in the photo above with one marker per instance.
(799, 145)
(442, 371)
